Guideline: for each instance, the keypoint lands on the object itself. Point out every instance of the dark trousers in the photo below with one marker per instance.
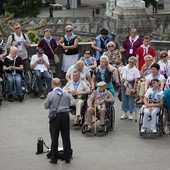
(60, 123)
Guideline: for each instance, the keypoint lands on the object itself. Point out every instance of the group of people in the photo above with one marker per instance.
(134, 67)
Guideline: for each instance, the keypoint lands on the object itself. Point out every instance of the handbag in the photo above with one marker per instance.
(128, 91)
(56, 58)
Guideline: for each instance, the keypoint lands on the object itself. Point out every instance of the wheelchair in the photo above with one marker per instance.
(159, 122)
(83, 110)
(109, 122)
(30, 83)
(166, 119)
(4, 84)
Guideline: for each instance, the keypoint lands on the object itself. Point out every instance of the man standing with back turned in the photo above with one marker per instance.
(58, 103)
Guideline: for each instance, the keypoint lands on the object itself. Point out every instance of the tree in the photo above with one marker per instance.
(23, 8)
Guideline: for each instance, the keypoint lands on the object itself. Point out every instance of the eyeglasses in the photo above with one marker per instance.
(111, 46)
(86, 53)
(17, 28)
(68, 30)
(164, 56)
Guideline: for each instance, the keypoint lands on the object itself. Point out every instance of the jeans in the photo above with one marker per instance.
(14, 83)
(47, 76)
(128, 103)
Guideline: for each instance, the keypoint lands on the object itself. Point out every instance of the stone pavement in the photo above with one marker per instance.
(123, 148)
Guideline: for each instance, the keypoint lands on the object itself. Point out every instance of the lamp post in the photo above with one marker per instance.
(68, 4)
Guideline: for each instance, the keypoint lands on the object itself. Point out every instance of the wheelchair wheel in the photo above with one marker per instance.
(112, 118)
(28, 82)
(140, 121)
(160, 125)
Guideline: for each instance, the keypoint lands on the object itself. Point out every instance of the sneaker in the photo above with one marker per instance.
(166, 129)
(10, 98)
(101, 127)
(154, 131)
(42, 96)
(76, 120)
(88, 128)
(143, 130)
(130, 117)
(124, 116)
(20, 97)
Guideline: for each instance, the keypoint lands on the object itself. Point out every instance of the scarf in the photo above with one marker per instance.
(132, 42)
(76, 84)
(58, 90)
(101, 93)
(69, 38)
(47, 39)
(102, 72)
(145, 49)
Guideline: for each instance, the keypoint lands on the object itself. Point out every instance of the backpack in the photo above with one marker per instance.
(13, 39)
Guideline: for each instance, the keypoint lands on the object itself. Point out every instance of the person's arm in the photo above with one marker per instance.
(109, 98)
(26, 42)
(72, 46)
(94, 65)
(18, 68)
(61, 42)
(93, 45)
(162, 82)
(110, 68)
(137, 61)
(93, 80)
(157, 104)
(47, 102)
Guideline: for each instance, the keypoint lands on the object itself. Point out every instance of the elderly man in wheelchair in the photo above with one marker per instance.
(152, 103)
(77, 88)
(98, 100)
(40, 65)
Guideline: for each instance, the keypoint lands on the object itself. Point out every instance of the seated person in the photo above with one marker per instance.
(115, 60)
(154, 74)
(100, 97)
(104, 73)
(141, 83)
(89, 61)
(13, 67)
(40, 64)
(76, 88)
(84, 72)
(153, 101)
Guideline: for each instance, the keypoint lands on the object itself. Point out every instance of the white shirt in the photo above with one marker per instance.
(154, 96)
(83, 74)
(164, 67)
(129, 74)
(151, 77)
(40, 66)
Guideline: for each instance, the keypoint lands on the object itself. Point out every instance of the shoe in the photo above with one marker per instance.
(130, 117)
(53, 161)
(20, 97)
(88, 128)
(48, 155)
(67, 160)
(139, 102)
(124, 116)
(154, 131)
(101, 127)
(0, 101)
(76, 120)
(42, 96)
(143, 130)
(10, 98)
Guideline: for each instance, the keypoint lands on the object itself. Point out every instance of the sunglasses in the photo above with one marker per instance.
(17, 28)
(68, 30)
(111, 46)
(164, 56)
(86, 53)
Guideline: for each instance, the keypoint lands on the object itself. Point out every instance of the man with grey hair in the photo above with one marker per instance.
(58, 103)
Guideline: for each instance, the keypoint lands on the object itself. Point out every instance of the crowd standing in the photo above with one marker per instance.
(134, 68)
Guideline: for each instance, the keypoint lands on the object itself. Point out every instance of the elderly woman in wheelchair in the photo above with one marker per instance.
(151, 110)
(99, 98)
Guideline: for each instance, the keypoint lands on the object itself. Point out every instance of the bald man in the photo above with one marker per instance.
(58, 103)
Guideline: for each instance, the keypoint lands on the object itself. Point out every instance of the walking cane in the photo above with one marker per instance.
(95, 117)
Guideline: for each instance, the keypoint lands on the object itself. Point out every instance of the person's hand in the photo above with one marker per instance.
(24, 42)
(100, 50)
(14, 43)
(100, 102)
